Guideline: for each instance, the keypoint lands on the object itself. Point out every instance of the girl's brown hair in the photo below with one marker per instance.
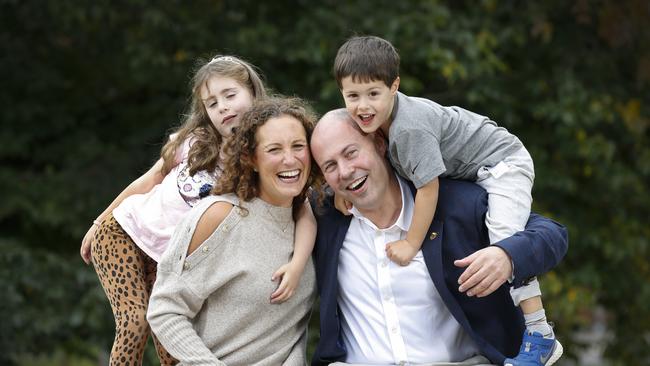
(204, 153)
(239, 175)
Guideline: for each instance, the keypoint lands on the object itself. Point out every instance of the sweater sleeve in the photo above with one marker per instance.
(171, 307)
(173, 304)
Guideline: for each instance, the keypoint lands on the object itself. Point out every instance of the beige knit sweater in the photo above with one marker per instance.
(212, 307)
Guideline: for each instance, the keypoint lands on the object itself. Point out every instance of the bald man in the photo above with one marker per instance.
(451, 305)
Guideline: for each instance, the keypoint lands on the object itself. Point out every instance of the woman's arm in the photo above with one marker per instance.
(174, 303)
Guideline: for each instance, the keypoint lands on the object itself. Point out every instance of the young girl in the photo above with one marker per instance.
(128, 238)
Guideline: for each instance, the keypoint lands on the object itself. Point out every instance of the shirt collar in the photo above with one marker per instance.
(403, 221)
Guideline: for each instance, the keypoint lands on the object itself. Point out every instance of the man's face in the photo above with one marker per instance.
(352, 164)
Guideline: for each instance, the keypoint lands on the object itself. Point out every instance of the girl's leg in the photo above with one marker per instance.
(122, 273)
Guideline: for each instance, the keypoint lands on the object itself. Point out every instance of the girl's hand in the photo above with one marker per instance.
(290, 275)
(84, 251)
(342, 205)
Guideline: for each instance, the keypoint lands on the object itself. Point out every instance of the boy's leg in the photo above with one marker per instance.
(121, 271)
(509, 186)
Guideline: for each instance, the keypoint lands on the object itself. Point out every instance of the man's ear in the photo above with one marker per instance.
(394, 86)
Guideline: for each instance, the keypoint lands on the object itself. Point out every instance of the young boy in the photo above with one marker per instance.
(427, 140)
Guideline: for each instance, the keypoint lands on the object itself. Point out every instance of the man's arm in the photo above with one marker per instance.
(537, 249)
(532, 252)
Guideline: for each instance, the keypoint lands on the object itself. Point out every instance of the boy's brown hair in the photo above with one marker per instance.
(366, 59)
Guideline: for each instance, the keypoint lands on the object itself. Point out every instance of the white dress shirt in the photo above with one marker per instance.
(393, 314)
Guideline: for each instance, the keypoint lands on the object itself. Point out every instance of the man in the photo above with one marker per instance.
(448, 306)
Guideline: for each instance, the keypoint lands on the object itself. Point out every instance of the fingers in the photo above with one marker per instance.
(483, 276)
(348, 204)
(84, 251)
(400, 253)
(284, 291)
(472, 268)
(280, 272)
(464, 262)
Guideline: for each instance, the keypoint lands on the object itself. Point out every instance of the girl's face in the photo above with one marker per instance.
(282, 160)
(225, 100)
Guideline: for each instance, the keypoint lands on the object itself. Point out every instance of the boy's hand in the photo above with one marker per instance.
(290, 275)
(342, 205)
(487, 269)
(401, 252)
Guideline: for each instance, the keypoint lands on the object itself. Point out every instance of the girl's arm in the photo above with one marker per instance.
(305, 237)
(141, 185)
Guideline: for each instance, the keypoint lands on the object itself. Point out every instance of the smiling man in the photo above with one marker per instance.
(436, 310)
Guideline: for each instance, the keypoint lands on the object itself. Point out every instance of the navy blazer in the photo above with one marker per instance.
(494, 323)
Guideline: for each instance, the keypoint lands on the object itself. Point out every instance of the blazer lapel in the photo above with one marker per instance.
(432, 252)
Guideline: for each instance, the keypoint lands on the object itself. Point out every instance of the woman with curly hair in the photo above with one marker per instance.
(128, 238)
(209, 304)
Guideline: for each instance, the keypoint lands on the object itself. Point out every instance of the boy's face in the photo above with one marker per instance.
(370, 104)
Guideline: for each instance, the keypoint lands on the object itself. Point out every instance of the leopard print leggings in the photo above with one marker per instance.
(127, 275)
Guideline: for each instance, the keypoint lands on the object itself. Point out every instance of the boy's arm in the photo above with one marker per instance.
(305, 236)
(426, 201)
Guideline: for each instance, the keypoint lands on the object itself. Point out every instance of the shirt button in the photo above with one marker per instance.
(393, 329)
(384, 263)
(186, 265)
(387, 297)
(402, 363)
(205, 249)
(226, 228)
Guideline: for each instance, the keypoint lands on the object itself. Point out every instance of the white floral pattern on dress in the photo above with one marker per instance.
(194, 187)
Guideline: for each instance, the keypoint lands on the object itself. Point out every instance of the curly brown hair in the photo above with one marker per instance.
(239, 175)
(204, 153)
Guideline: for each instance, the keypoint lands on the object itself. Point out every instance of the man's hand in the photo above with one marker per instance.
(401, 252)
(487, 269)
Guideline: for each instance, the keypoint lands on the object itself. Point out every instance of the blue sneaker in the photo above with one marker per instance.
(536, 351)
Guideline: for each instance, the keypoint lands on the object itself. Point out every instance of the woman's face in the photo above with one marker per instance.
(282, 160)
(225, 100)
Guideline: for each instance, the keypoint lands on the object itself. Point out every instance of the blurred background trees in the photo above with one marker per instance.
(91, 88)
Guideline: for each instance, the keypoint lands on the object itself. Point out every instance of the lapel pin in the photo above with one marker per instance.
(433, 235)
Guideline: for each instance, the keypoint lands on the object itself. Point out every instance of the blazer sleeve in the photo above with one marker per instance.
(537, 249)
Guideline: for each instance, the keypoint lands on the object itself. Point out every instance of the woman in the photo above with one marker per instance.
(210, 303)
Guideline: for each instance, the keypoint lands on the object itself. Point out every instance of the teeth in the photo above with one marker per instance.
(289, 174)
(365, 116)
(357, 183)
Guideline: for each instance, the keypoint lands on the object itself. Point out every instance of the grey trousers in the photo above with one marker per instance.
(473, 361)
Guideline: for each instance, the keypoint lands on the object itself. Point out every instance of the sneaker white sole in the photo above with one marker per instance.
(557, 353)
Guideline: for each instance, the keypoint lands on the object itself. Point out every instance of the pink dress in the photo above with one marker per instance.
(150, 218)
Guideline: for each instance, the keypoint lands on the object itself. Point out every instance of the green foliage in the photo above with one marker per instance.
(90, 89)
